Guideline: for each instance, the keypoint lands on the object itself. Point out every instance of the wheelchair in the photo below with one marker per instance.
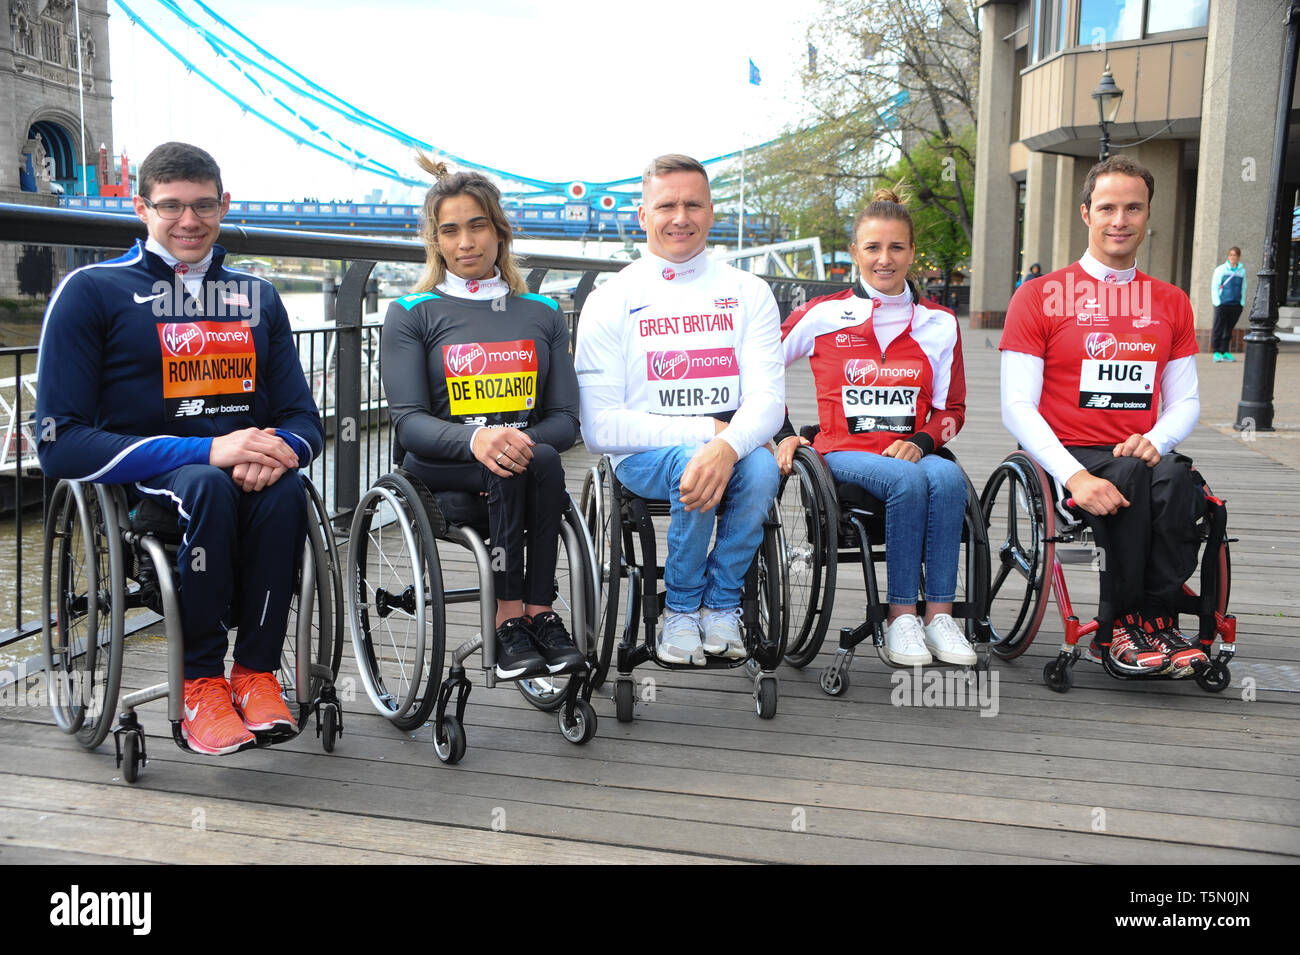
(1040, 531)
(621, 526)
(103, 557)
(397, 610)
(824, 521)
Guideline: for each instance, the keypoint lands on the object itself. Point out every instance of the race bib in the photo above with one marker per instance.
(878, 397)
(701, 381)
(1118, 372)
(490, 377)
(208, 368)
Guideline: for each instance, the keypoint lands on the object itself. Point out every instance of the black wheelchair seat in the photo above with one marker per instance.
(465, 508)
(156, 516)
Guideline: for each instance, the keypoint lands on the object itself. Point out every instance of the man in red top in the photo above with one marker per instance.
(1099, 386)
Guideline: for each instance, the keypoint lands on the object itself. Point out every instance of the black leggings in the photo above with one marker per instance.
(1149, 548)
(532, 501)
(1225, 320)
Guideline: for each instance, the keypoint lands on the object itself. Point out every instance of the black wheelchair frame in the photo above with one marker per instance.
(824, 522)
(619, 523)
(401, 657)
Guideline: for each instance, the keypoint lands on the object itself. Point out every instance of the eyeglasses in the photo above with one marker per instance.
(170, 209)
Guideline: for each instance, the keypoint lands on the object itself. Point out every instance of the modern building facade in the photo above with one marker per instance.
(1200, 80)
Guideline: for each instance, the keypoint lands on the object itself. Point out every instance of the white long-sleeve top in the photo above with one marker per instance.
(666, 347)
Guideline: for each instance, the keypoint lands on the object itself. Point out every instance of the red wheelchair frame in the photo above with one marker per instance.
(1028, 509)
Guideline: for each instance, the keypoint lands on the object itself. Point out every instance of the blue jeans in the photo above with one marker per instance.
(929, 494)
(693, 577)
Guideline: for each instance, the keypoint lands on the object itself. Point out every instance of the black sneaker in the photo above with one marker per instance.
(1184, 656)
(516, 658)
(555, 645)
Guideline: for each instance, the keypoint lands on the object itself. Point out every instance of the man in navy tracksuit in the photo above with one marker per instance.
(170, 373)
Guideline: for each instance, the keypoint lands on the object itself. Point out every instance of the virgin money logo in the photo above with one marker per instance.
(668, 365)
(472, 285)
(467, 359)
(668, 274)
(861, 371)
(1101, 345)
(182, 339)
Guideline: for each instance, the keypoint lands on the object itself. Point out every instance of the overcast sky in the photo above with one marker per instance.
(563, 90)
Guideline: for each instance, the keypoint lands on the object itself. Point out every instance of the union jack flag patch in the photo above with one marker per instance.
(725, 303)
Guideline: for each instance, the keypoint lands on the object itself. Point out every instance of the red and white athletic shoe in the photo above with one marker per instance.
(1130, 649)
(211, 726)
(1184, 656)
(259, 701)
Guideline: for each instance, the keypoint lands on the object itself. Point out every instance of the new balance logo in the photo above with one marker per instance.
(1098, 401)
(189, 408)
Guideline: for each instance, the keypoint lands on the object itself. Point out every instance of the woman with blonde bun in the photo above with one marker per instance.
(891, 390)
(483, 398)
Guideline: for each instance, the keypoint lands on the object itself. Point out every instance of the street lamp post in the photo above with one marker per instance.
(1108, 97)
(1255, 410)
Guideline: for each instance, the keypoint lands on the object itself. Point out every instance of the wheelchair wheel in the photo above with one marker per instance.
(395, 601)
(83, 584)
(809, 547)
(573, 589)
(1021, 527)
(973, 569)
(325, 592)
(769, 579)
(604, 527)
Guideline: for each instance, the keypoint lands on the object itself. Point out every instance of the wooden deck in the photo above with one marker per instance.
(1110, 772)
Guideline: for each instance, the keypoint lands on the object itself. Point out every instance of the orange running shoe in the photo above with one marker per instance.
(211, 725)
(260, 702)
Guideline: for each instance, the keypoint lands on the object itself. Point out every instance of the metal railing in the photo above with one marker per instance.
(340, 358)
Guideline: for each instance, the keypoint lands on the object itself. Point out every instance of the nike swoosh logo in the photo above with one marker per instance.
(141, 299)
(243, 700)
(191, 713)
(633, 311)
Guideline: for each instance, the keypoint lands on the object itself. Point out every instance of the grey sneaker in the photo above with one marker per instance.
(722, 634)
(943, 638)
(905, 642)
(679, 640)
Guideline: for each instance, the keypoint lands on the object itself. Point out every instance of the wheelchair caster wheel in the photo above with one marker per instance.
(623, 700)
(583, 726)
(450, 743)
(1214, 678)
(329, 727)
(834, 682)
(1058, 676)
(765, 699)
(132, 755)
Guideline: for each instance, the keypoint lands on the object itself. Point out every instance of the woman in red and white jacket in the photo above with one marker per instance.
(891, 389)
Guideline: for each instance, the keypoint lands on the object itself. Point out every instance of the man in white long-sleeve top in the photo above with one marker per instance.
(682, 383)
(1099, 386)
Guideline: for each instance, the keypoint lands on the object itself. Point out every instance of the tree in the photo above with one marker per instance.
(892, 88)
(941, 244)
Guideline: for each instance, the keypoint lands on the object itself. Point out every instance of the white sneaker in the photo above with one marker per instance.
(722, 634)
(943, 637)
(905, 642)
(679, 640)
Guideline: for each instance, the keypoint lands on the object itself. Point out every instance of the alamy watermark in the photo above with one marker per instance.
(931, 688)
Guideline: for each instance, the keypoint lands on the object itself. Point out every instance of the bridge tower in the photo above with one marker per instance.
(43, 147)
